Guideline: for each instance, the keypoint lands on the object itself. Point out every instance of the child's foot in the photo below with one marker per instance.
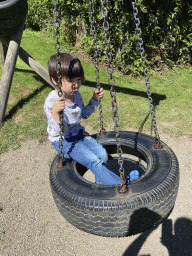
(133, 175)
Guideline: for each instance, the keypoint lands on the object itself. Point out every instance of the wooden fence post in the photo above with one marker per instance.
(8, 71)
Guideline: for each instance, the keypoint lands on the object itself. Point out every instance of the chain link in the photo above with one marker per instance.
(92, 19)
(142, 51)
(58, 70)
(111, 81)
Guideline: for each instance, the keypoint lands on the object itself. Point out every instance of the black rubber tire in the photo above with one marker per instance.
(100, 209)
(8, 8)
(12, 16)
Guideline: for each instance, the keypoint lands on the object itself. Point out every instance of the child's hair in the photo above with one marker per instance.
(70, 66)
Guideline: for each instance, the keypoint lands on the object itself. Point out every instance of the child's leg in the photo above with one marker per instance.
(80, 152)
(83, 155)
(92, 144)
(96, 147)
(56, 145)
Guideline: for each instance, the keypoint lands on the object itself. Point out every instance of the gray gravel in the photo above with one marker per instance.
(32, 225)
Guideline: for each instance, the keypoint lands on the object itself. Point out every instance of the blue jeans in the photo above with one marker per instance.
(88, 152)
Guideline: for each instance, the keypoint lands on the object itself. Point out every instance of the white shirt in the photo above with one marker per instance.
(72, 115)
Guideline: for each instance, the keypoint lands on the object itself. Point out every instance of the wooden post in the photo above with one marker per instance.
(14, 50)
(3, 50)
(8, 71)
(35, 65)
(38, 68)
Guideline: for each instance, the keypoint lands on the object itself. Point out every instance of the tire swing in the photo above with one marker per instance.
(118, 211)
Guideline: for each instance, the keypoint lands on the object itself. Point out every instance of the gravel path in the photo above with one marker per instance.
(32, 225)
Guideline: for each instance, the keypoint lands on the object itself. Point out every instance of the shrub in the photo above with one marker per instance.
(166, 30)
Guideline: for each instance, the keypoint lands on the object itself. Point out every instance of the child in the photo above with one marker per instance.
(77, 144)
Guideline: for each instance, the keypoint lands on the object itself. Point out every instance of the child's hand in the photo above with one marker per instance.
(58, 106)
(98, 94)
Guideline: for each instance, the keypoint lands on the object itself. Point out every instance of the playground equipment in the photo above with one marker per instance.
(96, 208)
(12, 19)
(126, 209)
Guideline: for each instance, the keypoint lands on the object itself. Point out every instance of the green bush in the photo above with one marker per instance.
(39, 13)
(166, 30)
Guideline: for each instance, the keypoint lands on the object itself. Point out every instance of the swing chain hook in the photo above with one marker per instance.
(122, 189)
(59, 84)
(92, 20)
(158, 144)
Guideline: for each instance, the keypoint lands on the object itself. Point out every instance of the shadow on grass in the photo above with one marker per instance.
(23, 101)
(20, 70)
(177, 238)
(156, 97)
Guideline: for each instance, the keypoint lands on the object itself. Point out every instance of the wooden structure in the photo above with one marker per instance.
(12, 19)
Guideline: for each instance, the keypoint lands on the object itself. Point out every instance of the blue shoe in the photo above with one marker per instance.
(133, 175)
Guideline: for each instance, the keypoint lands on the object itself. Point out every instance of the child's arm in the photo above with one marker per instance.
(58, 106)
(53, 127)
(93, 103)
(98, 94)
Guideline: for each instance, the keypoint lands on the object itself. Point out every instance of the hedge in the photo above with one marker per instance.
(166, 30)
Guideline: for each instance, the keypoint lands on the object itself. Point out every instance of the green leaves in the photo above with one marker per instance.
(166, 29)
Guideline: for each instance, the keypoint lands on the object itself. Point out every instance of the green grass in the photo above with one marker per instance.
(25, 118)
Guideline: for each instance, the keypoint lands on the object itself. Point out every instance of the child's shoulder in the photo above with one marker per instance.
(78, 95)
(52, 96)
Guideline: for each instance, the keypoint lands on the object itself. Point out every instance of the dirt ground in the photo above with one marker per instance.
(32, 225)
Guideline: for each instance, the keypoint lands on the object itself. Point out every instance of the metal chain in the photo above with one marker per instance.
(58, 70)
(142, 51)
(111, 83)
(92, 19)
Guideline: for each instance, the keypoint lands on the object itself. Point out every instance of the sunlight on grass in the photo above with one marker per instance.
(25, 117)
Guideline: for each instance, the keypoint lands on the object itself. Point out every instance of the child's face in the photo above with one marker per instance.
(71, 86)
